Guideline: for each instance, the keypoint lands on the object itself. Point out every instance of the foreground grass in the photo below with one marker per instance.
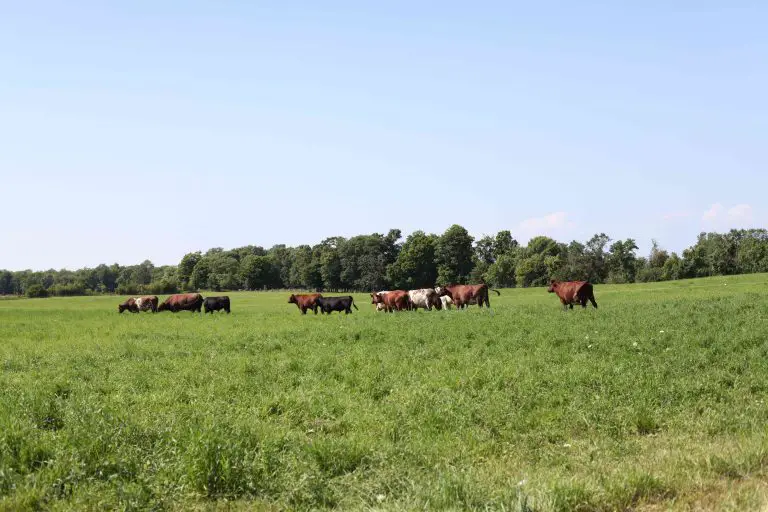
(656, 400)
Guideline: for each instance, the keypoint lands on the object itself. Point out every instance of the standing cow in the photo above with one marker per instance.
(423, 298)
(136, 304)
(380, 306)
(182, 302)
(465, 294)
(305, 301)
(396, 300)
(445, 301)
(211, 304)
(573, 292)
(331, 304)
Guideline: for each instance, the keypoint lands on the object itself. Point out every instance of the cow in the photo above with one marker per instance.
(136, 304)
(211, 304)
(380, 305)
(465, 294)
(573, 292)
(305, 301)
(423, 298)
(445, 301)
(331, 304)
(393, 300)
(182, 302)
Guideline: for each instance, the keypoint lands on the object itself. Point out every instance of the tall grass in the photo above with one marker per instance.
(657, 399)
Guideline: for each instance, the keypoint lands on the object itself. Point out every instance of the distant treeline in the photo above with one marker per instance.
(377, 262)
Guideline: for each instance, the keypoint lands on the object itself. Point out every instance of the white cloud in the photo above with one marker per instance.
(740, 212)
(545, 223)
(713, 212)
(734, 216)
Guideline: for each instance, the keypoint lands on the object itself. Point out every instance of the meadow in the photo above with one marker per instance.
(654, 401)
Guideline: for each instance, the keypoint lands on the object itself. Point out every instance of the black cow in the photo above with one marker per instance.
(212, 304)
(331, 304)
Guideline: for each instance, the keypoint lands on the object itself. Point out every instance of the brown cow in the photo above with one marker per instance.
(463, 295)
(182, 302)
(136, 304)
(305, 301)
(393, 300)
(573, 292)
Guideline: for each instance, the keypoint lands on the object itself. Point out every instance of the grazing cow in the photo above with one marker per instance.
(445, 301)
(211, 304)
(423, 298)
(330, 304)
(380, 306)
(305, 301)
(393, 300)
(465, 294)
(573, 292)
(136, 304)
(182, 302)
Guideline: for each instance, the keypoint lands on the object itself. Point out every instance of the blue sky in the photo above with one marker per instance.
(151, 129)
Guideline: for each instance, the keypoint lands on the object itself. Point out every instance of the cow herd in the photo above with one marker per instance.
(179, 302)
(461, 296)
(399, 300)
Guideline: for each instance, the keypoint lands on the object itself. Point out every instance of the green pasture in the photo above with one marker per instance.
(654, 401)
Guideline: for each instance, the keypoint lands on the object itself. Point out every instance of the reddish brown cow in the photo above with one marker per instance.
(305, 301)
(573, 292)
(182, 302)
(463, 295)
(136, 304)
(395, 300)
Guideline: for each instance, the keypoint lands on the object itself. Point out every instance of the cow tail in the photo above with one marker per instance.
(353, 304)
(497, 291)
(592, 296)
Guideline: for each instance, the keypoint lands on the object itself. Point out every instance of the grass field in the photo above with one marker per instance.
(654, 401)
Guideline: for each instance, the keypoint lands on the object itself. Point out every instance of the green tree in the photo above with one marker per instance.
(621, 261)
(256, 271)
(143, 272)
(186, 266)
(594, 251)
(454, 255)
(199, 278)
(415, 265)
(501, 274)
(504, 243)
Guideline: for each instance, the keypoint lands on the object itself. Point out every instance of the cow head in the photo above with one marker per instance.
(292, 299)
(444, 291)
(163, 307)
(121, 308)
(552, 286)
(375, 298)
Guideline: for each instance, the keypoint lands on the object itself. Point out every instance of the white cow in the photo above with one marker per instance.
(380, 305)
(423, 298)
(445, 300)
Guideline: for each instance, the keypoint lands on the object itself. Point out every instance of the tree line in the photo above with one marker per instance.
(377, 262)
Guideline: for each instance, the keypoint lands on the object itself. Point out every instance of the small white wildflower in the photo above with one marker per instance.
(661, 332)
(586, 337)
(380, 497)
(634, 344)
(522, 482)
(666, 349)
(567, 445)
(589, 346)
